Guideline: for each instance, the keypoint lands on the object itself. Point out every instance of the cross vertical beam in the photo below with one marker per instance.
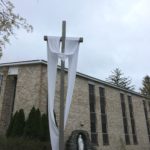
(62, 79)
(62, 95)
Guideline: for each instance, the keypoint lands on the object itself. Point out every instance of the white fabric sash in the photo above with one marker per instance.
(71, 52)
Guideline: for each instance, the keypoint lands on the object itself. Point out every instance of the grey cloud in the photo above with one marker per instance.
(116, 34)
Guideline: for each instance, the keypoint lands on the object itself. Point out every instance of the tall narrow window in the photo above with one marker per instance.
(147, 121)
(14, 80)
(92, 114)
(103, 116)
(135, 141)
(125, 121)
(1, 80)
(149, 105)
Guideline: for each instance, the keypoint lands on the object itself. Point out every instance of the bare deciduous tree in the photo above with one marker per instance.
(9, 21)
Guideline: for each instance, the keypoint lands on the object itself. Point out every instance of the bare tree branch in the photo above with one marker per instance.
(9, 21)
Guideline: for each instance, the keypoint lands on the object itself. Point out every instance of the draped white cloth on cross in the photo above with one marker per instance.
(71, 52)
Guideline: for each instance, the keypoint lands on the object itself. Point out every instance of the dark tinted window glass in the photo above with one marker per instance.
(132, 120)
(125, 122)
(103, 109)
(94, 138)
(92, 114)
(146, 117)
(105, 139)
(135, 139)
(103, 116)
(127, 139)
(1, 80)
(102, 93)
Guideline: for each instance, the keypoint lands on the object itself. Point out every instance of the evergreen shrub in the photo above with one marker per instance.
(10, 127)
(18, 124)
(34, 128)
(44, 128)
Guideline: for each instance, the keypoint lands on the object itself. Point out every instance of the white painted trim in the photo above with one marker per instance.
(13, 70)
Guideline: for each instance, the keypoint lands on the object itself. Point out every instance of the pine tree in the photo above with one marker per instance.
(9, 130)
(44, 128)
(145, 90)
(18, 124)
(117, 78)
(29, 129)
(37, 127)
(33, 124)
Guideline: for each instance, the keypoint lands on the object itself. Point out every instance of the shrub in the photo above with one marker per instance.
(29, 123)
(35, 127)
(44, 128)
(33, 124)
(9, 130)
(16, 126)
(19, 124)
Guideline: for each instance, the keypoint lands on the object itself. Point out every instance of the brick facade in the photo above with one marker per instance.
(31, 90)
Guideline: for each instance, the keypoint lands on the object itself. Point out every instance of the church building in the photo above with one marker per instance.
(114, 118)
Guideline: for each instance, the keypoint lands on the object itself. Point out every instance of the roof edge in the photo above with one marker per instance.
(40, 61)
(24, 63)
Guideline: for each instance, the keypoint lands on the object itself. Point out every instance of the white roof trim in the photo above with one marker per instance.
(23, 63)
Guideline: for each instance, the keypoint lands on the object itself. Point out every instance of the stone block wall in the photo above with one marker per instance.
(28, 91)
(4, 72)
(31, 90)
(79, 114)
(115, 120)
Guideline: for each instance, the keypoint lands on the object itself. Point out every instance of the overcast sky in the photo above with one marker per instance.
(116, 34)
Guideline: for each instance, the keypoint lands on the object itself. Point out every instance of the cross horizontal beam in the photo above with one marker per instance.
(80, 39)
